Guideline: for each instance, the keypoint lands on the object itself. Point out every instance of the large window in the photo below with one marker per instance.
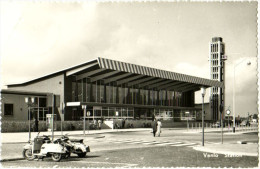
(8, 109)
(121, 93)
(131, 101)
(94, 92)
(80, 90)
(86, 91)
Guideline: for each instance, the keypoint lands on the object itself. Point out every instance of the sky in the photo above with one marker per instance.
(41, 38)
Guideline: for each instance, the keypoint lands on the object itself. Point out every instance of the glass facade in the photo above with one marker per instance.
(98, 92)
(125, 101)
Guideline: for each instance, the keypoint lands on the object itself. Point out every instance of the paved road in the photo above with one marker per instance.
(165, 156)
(141, 149)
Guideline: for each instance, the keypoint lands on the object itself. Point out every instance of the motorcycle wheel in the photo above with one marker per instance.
(81, 155)
(56, 157)
(67, 155)
(27, 154)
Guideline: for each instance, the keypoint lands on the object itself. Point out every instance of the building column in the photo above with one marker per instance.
(105, 94)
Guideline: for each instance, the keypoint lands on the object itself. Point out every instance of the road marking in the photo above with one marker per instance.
(154, 142)
(187, 144)
(136, 142)
(169, 143)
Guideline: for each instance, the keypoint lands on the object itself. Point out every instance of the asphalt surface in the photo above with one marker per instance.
(141, 149)
(143, 157)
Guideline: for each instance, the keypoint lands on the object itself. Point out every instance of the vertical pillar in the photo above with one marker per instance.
(117, 95)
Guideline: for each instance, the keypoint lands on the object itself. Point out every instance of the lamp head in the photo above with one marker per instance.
(84, 106)
(203, 91)
(26, 99)
(32, 99)
(248, 63)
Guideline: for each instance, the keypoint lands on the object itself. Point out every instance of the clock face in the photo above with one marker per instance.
(228, 112)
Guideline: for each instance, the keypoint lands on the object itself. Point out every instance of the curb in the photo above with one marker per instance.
(209, 150)
(247, 142)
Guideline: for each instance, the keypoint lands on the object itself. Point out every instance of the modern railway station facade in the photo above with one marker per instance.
(111, 89)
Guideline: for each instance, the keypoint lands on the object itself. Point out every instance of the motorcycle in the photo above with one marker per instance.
(75, 146)
(42, 147)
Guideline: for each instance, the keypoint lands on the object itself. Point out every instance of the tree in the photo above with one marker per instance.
(255, 116)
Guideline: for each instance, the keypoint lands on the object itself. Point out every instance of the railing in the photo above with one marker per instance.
(208, 127)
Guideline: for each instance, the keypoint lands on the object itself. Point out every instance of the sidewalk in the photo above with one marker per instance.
(230, 150)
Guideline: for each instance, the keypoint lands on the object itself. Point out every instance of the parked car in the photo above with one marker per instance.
(245, 123)
(217, 124)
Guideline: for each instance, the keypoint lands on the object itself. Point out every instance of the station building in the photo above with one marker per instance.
(110, 89)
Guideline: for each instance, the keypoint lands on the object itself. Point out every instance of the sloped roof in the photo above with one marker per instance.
(132, 74)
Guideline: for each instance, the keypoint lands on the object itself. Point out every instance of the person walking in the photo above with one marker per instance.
(123, 123)
(159, 125)
(99, 124)
(35, 125)
(154, 126)
(95, 124)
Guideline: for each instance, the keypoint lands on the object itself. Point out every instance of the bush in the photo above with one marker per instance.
(20, 126)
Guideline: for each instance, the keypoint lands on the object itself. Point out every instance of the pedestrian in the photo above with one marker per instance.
(99, 124)
(95, 124)
(159, 125)
(123, 123)
(154, 126)
(35, 125)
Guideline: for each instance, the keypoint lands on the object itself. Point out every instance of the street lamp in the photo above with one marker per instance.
(234, 93)
(29, 101)
(228, 113)
(187, 114)
(84, 107)
(203, 91)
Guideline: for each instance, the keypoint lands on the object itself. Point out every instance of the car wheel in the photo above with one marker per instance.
(81, 155)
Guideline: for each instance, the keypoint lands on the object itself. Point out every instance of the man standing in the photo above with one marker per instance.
(159, 125)
(123, 123)
(154, 126)
(99, 124)
(35, 127)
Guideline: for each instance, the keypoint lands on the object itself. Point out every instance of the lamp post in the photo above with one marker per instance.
(221, 107)
(228, 113)
(29, 101)
(117, 114)
(62, 110)
(84, 107)
(234, 93)
(187, 114)
(88, 114)
(203, 90)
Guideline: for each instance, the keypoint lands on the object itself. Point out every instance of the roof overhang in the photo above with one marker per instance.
(143, 77)
(127, 74)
